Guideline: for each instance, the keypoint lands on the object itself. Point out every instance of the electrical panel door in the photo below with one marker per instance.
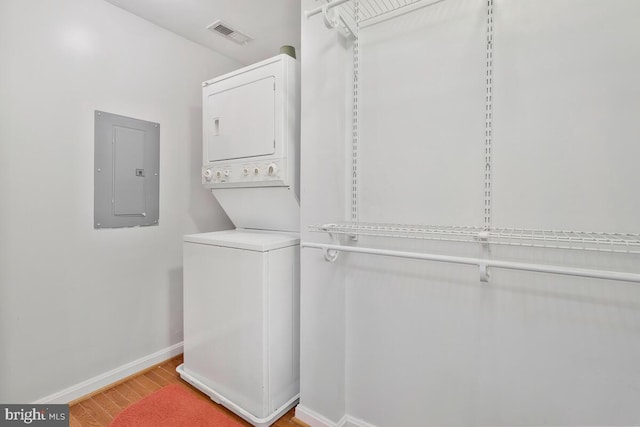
(129, 171)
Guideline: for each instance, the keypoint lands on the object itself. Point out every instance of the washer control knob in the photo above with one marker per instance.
(245, 171)
(256, 171)
(227, 172)
(272, 169)
(218, 174)
(207, 174)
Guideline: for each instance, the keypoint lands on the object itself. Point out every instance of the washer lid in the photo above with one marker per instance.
(252, 240)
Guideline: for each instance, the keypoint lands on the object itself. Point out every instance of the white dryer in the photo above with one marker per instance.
(251, 144)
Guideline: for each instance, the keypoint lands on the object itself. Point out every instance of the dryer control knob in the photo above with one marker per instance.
(245, 171)
(272, 169)
(218, 174)
(207, 174)
(227, 173)
(256, 171)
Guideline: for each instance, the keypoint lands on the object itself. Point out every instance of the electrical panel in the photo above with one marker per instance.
(126, 171)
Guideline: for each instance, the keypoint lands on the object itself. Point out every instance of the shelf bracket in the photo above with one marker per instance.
(330, 17)
(331, 255)
(333, 19)
(483, 238)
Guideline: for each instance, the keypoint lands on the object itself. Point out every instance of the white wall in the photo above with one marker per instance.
(76, 302)
(325, 80)
(428, 343)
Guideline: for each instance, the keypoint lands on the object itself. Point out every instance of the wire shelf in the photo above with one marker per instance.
(367, 12)
(556, 239)
(370, 9)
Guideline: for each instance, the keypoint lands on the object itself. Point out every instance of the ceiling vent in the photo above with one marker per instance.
(225, 30)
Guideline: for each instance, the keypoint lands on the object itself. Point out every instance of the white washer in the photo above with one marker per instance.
(241, 320)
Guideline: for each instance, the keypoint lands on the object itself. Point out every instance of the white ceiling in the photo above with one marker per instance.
(271, 23)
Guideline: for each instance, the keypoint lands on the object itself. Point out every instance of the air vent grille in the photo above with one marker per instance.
(228, 32)
(225, 31)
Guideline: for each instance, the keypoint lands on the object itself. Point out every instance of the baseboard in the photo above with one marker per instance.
(299, 422)
(314, 419)
(349, 421)
(87, 387)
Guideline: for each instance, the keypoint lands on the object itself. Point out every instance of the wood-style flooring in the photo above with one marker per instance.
(99, 409)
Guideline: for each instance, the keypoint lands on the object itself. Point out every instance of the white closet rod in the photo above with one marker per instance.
(478, 262)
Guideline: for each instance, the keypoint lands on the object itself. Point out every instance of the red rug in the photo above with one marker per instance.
(173, 406)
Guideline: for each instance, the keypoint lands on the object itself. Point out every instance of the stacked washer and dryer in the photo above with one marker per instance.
(241, 287)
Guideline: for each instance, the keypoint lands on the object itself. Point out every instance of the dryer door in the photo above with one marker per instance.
(240, 121)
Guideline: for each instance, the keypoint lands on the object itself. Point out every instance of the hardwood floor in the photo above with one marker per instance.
(100, 409)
